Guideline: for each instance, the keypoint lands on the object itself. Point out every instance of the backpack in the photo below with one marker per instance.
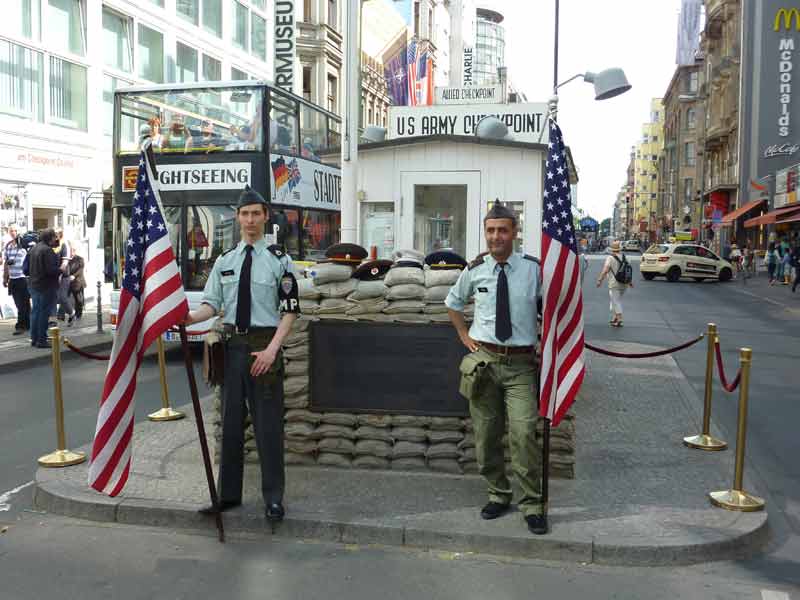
(624, 273)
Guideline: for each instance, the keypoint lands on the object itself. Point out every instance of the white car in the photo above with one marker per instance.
(674, 261)
(631, 246)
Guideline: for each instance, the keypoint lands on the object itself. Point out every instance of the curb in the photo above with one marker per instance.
(748, 534)
(46, 358)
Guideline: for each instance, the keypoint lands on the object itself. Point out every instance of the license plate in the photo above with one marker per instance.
(174, 336)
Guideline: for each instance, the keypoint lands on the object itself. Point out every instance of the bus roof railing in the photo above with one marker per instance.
(211, 85)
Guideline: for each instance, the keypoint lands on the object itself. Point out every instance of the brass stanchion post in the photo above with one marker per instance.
(99, 307)
(704, 441)
(737, 498)
(165, 413)
(61, 457)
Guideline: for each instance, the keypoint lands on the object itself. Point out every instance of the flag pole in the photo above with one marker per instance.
(201, 432)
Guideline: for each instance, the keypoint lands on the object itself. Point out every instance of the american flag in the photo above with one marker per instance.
(420, 76)
(152, 300)
(411, 61)
(562, 310)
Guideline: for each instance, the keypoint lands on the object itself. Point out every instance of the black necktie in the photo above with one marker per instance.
(502, 317)
(245, 300)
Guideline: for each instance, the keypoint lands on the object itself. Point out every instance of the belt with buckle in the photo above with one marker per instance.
(506, 350)
(234, 330)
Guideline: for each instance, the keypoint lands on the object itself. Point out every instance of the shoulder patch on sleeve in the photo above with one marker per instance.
(478, 261)
(277, 250)
(531, 258)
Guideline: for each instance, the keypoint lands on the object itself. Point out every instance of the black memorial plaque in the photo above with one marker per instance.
(398, 368)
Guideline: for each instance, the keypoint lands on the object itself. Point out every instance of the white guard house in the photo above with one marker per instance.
(429, 185)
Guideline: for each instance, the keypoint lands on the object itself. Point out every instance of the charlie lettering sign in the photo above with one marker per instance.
(524, 120)
(469, 94)
(468, 58)
(208, 176)
(285, 47)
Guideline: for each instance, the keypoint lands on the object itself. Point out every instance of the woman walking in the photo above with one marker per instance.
(772, 262)
(615, 288)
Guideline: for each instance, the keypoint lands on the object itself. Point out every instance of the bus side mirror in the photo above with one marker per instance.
(91, 214)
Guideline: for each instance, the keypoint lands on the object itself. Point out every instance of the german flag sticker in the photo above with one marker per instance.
(129, 175)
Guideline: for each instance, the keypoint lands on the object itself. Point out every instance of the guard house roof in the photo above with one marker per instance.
(461, 139)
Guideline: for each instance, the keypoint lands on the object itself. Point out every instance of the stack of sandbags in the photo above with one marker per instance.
(406, 288)
(437, 285)
(369, 295)
(410, 437)
(300, 443)
(333, 282)
(336, 434)
(444, 435)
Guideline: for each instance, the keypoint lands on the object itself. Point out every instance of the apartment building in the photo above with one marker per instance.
(646, 177)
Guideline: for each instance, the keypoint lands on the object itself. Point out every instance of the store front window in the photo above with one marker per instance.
(440, 218)
(377, 227)
(320, 230)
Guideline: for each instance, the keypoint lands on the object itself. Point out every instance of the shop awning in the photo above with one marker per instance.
(772, 216)
(790, 218)
(735, 214)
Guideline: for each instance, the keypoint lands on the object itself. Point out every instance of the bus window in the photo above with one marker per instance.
(320, 230)
(312, 132)
(288, 222)
(334, 134)
(195, 120)
(212, 230)
(283, 125)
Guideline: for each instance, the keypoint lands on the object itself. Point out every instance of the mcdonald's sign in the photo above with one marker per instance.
(785, 15)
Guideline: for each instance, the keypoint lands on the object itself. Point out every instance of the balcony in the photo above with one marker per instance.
(723, 179)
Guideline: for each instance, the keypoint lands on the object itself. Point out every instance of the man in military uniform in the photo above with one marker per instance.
(500, 374)
(255, 287)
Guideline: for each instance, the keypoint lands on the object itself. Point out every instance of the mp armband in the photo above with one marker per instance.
(288, 295)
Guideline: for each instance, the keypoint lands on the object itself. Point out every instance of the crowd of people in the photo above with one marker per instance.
(782, 260)
(45, 278)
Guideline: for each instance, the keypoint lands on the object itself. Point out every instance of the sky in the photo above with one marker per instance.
(637, 35)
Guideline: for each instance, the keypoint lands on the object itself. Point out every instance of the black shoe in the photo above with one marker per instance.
(44, 345)
(493, 510)
(221, 507)
(18, 332)
(537, 524)
(275, 512)
(70, 321)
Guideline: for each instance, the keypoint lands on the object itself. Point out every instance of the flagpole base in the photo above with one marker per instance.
(62, 458)
(736, 500)
(166, 414)
(703, 441)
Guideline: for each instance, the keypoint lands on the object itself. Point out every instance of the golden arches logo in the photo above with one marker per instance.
(786, 15)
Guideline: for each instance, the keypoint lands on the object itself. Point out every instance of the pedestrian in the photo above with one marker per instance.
(772, 260)
(63, 302)
(14, 279)
(499, 376)
(614, 264)
(77, 284)
(44, 268)
(255, 286)
(786, 266)
(796, 264)
(736, 259)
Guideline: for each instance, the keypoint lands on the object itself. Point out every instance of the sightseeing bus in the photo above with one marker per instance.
(209, 141)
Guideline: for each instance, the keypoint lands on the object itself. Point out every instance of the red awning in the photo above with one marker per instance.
(773, 216)
(735, 214)
(791, 218)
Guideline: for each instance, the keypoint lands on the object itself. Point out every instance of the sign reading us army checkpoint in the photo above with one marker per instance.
(524, 120)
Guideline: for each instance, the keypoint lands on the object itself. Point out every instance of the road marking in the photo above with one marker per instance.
(5, 498)
(773, 595)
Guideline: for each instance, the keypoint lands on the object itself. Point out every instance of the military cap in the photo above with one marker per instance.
(445, 259)
(250, 196)
(408, 258)
(499, 211)
(346, 254)
(372, 269)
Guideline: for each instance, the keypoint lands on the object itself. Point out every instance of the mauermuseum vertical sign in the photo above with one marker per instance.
(285, 45)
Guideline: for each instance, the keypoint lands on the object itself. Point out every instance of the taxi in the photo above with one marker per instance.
(677, 260)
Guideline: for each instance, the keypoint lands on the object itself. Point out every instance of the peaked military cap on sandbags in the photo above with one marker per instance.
(445, 259)
(346, 254)
(372, 269)
(250, 196)
(408, 258)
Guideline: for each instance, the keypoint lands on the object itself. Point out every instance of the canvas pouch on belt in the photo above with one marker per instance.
(472, 370)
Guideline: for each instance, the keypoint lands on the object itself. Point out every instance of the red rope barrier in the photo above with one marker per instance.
(83, 353)
(643, 354)
(729, 387)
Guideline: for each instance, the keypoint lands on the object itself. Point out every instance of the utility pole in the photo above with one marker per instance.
(351, 115)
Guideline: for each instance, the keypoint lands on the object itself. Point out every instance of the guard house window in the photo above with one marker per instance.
(440, 218)
(186, 63)
(240, 16)
(212, 16)
(21, 81)
(332, 16)
(258, 37)
(151, 55)
(332, 85)
(188, 9)
(21, 18)
(66, 25)
(117, 40)
(67, 94)
(688, 152)
(377, 227)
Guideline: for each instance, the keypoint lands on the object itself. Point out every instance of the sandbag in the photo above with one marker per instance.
(332, 459)
(467, 455)
(299, 352)
(410, 421)
(296, 459)
(445, 450)
(332, 305)
(367, 432)
(408, 449)
(411, 463)
(330, 430)
(309, 307)
(446, 423)
(437, 277)
(336, 445)
(300, 325)
(412, 318)
(435, 437)
(373, 448)
(337, 289)
(301, 416)
(298, 430)
(295, 386)
(300, 446)
(410, 434)
(404, 306)
(444, 465)
(371, 462)
(296, 338)
(295, 367)
(366, 307)
(306, 290)
(470, 468)
(334, 418)
(300, 401)
(368, 289)
(374, 420)
(404, 275)
(437, 293)
(329, 272)
(439, 318)
(467, 442)
(435, 308)
(406, 291)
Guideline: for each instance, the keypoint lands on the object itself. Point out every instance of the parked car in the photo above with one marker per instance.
(674, 261)
(631, 246)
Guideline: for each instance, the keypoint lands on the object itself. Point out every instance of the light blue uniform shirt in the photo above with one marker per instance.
(222, 288)
(480, 281)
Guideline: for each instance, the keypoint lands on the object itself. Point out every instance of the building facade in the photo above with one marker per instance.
(490, 45)
(645, 184)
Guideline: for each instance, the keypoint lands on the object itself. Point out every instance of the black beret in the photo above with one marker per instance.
(250, 196)
(348, 254)
(372, 269)
(445, 259)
